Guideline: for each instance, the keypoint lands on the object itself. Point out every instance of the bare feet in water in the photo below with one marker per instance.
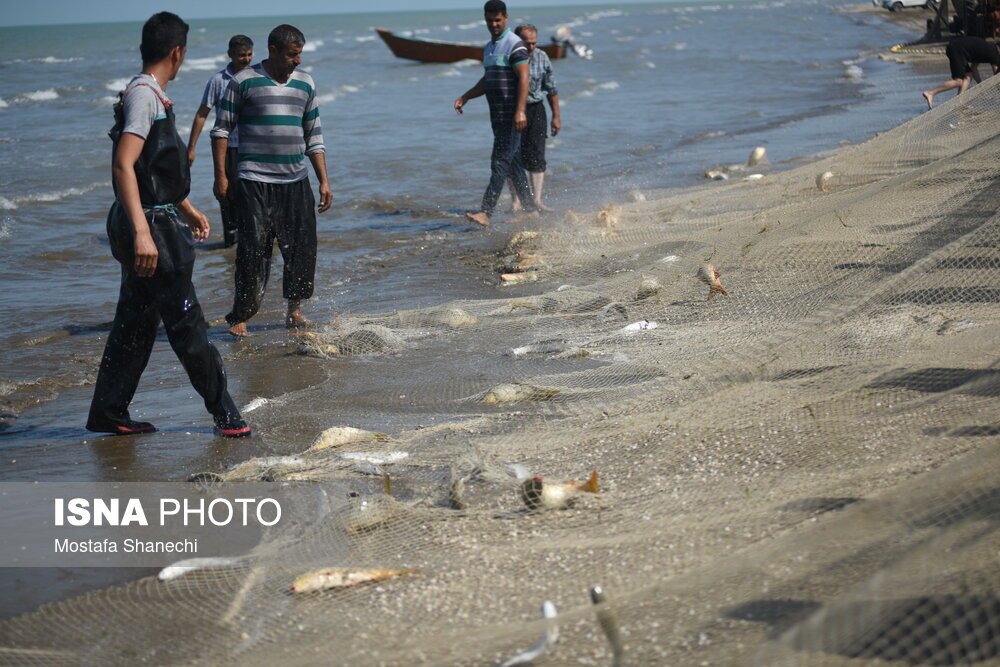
(295, 319)
(479, 218)
(239, 330)
(929, 98)
(542, 207)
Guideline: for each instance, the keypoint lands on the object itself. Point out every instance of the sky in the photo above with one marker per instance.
(51, 12)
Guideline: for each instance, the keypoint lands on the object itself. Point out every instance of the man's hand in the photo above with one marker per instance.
(191, 156)
(198, 223)
(325, 197)
(520, 121)
(459, 103)
(221, 189)
(146, 255)
(556, 125)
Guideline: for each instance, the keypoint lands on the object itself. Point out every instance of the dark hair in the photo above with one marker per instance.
(240, 42)
(284, 35)
(495, 7)
(519, 30)
(161, 34)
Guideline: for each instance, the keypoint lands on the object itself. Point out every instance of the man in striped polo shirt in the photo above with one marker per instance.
(505, 85)
(275, 108)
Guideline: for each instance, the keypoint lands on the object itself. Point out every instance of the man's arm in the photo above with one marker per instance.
(556, 118)
(128, 151)
(523, 83)
(477, 90)
(196, 126)
(312, 131)
(227, 114)
(318, 160)
(549, 86)
(196, 220)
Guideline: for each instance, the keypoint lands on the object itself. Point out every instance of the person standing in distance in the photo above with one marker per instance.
(505, 84)
(240, 56)
(275, 108)
(542, 85)
(155, 248)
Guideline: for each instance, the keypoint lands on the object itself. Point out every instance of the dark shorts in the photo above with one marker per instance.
(959, 63)
(533, 141)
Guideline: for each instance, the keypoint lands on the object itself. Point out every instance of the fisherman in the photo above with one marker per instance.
(505, 84)
(275, 108)
(151, 180)
(240, 56)
(965, 54)
(533, 141)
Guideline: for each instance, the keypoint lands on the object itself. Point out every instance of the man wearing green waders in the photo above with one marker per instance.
(155, 247)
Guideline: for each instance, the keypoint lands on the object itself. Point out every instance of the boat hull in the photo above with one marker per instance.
(427, 51)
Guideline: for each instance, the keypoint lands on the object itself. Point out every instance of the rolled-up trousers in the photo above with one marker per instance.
(269, 211)
(506, 162)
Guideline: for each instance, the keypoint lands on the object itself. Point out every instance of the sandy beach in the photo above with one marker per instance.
(803, 470)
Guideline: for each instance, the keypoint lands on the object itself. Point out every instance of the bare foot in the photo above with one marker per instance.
(929, 98)
(296, 320)
(542, 207)
(479, 218)
(239, 330)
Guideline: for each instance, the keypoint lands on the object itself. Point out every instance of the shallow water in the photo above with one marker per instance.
(673, 89)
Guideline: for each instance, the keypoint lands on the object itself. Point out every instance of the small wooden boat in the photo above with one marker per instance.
(435, 51)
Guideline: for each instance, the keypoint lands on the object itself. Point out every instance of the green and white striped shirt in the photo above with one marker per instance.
(278, 124)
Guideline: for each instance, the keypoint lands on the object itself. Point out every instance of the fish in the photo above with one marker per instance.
(647, 288)
(344, 577)
(376, 458)
(608, 216)
(456, 491)
(366, 516)
(823, 181)
(261, 467)
(454, 318)
(514, 392)
(518, 278)
(757, 156)
(641, 325)
(182, 567)
(337, 436)
(540, 495)
(709, 275)
(520, 237)
(609, 625)
(548, 639)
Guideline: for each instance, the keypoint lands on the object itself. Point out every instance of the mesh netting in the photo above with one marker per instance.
(802, 471)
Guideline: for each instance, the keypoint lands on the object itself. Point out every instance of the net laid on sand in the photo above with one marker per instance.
(803, 471)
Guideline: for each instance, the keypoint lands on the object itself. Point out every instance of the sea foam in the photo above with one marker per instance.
(40, 96)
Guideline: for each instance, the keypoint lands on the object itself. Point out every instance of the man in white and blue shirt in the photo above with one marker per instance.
(505, 84)
(240, 56)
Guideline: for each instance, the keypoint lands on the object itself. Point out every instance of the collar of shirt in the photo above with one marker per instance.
(500, 36)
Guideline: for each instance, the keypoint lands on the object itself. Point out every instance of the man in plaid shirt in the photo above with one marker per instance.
(542, 85)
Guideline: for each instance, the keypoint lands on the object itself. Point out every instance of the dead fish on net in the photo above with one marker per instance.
(823, 181)
(538, 494)
(337, 436)
(518, 278)
(609, 624)
(344, 577)
(264, 465)
(368, 515)
(549, 638)
(182, 567)
(709, 275)
(514, 392)
(608, 216)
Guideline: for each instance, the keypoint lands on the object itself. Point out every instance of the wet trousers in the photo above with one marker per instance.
(142, 302)
(269, 211)
(505, 162)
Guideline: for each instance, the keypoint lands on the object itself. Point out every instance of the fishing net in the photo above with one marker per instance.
(801, 471)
